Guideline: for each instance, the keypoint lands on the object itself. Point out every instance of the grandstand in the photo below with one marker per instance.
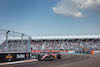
(17, 43)
(14, 45)
(88, 42)
(82, 43)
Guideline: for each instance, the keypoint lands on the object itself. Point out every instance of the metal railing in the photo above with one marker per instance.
(14, 42)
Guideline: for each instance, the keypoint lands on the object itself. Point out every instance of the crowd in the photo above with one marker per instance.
(86, 44)
(75, 44)
(14, 46)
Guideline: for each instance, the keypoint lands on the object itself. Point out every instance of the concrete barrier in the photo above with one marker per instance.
(71, 51)
(8, 57)
(97, 52)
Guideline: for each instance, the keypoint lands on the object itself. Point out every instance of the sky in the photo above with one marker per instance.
(51, 17)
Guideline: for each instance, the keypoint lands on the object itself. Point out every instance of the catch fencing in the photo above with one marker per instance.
(14, 42)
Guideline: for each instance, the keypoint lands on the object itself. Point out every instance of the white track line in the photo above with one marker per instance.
(18, 62)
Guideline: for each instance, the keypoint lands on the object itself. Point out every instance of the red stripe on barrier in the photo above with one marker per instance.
(38, 51)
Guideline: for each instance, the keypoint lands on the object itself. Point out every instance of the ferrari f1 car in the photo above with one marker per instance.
(49, 56)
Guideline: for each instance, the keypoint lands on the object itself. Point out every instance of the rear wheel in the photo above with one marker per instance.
(39, 58)
(59, 56)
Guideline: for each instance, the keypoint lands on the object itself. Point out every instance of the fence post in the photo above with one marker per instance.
(7, 41)
(22, 42)
(29, 44)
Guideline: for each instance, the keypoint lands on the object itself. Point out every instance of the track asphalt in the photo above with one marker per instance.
(68, 60)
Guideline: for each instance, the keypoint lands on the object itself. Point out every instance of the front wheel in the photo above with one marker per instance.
(52, 58)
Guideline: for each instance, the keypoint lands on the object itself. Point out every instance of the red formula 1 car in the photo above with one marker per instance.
(49, 56)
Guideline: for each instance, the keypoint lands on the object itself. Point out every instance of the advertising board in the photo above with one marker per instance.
(22, 56)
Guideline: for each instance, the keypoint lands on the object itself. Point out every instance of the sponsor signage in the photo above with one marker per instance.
(63, 50)
(34, 57)
(21, 56)
(4, 57)
(55, 50)
(9, 57)
(27, 55)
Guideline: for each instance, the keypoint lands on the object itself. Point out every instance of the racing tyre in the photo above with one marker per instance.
(39, 58)
(51, 58)
(59, 56)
